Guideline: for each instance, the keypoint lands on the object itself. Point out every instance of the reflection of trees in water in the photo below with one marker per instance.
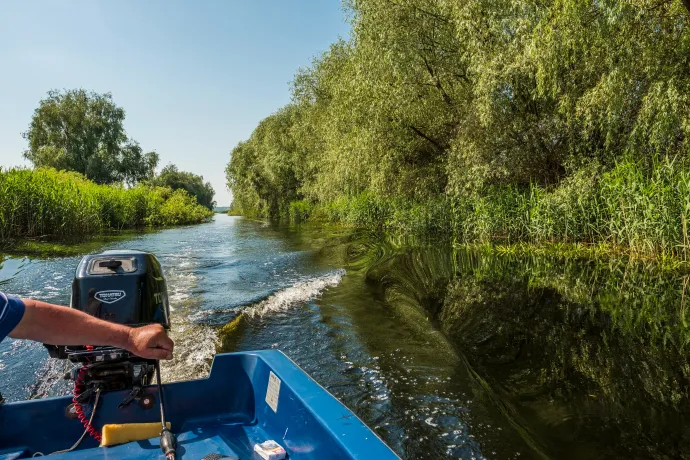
(589, 358)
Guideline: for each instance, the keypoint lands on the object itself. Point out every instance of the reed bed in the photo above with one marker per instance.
(631, 207)
(49, 203)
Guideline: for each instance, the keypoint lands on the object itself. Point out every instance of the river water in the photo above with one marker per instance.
(445, 353)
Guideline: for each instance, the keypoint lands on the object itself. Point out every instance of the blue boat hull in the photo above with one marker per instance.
(226, 413)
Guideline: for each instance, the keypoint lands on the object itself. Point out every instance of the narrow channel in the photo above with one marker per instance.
(445, 353)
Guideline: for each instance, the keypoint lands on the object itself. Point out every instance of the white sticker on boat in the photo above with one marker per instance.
(273, 392)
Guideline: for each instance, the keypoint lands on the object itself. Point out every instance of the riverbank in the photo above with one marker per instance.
(68, 246)
(628, 210)
(487, 123)
(45, 203)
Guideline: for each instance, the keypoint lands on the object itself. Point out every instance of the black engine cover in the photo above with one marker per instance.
(124, 287)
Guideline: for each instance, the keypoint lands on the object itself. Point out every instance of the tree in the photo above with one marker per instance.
(80, 131)
(436, 99)
(265, 172)
(171, 177)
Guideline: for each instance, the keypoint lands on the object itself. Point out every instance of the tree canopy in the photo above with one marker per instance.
(171, 177)
(82, 131)
(440, 98)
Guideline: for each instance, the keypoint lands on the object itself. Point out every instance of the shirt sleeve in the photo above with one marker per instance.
(11, 312)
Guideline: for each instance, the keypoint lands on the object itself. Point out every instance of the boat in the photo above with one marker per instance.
(248, 398)
(253, 405)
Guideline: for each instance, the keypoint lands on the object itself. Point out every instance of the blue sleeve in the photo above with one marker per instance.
(11, 312)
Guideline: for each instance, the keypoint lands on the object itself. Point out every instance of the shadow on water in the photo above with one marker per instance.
(584, 360)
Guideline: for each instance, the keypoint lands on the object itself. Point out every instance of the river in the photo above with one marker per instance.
(445, 353)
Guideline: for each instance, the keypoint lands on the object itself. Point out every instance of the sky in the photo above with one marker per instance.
(194, 77)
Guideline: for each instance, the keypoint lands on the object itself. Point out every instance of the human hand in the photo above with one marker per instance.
(150, 342)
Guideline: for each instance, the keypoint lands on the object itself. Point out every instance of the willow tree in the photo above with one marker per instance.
(262, 172)
(431, 99)
(394, 100)
(620, 73)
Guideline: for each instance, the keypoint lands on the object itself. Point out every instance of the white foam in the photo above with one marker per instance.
(195, 346)
(296, 294)
(180, 285)
(282, 300)
(48, 377)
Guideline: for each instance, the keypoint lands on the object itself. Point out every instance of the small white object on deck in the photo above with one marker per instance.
(269, 450)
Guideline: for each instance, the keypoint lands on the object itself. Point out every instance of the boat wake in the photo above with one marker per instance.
(194, 329)
(297, 294)
(196, 339)
(277, 302)
(195, 346)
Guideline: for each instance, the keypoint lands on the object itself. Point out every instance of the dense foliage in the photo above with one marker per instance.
(193, 184)
(564, 120)
(46, 202)
(83, 132)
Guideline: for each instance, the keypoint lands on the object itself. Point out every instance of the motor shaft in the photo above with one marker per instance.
(168, 440)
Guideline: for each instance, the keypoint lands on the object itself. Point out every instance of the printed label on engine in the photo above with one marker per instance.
(273, 392)
(110, 296)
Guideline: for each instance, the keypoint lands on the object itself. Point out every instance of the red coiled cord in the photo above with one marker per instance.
(78, 409)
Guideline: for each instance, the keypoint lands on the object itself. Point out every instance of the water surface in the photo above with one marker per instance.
(445, 353)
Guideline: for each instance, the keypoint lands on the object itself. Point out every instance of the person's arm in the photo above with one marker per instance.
(58, 325)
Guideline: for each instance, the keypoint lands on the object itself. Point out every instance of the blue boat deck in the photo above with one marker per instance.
(225, 439)
(226, 414)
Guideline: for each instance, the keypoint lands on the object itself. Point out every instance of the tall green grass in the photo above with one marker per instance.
(641, 210)
(45, 202)
(633, 207)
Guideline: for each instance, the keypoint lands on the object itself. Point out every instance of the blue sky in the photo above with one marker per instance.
(194, 77)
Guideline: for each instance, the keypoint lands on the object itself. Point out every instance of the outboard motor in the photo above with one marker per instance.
(124, 287)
